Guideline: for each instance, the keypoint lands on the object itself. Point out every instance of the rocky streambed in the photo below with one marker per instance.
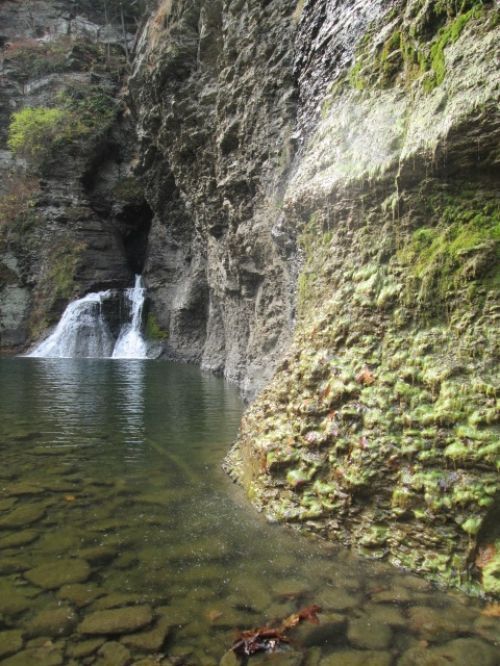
(121, 541)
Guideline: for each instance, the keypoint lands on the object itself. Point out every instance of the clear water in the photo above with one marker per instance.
(117, 463)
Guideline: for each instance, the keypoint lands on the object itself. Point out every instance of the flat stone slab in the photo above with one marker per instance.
(22, 516)
(17, 539)
(23, 489)
(53, 623)
(117, 621)
(152, 640)
(10, 642)
(113, 654)
(43, 656)
(11, 601)
(84, 648)
(80, 594)
(58, 573)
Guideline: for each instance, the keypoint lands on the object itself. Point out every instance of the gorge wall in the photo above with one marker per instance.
(72, 217)
(322, 221)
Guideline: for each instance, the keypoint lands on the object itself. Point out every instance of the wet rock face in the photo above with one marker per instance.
(379, 428)
(78, 222)
(326, 38)
(214, 96)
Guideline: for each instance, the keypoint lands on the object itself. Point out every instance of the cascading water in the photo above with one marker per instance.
(130, 343)
(83, 331)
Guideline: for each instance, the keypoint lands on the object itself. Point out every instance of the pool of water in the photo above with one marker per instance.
(122, 541)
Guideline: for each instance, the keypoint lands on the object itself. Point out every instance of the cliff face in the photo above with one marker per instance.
(380, 427)
(71, 217)
(214, 96)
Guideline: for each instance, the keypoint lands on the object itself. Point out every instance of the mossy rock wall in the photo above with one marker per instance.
(380, 428)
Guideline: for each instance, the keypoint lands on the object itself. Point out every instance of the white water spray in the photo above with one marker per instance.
(83, 331)
(130, 343)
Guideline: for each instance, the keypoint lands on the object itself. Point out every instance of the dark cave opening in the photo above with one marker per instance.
(135, 224)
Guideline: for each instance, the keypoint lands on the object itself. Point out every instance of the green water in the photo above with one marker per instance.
(112, 497)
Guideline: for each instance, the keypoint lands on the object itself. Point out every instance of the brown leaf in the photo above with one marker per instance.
(365, 377)
(485, 555)
(269, 639)
(309, 613)
(491, 610)
(213, 615)
(69, 498)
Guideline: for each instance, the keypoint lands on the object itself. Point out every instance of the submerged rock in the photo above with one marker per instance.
(460, 652)
(10, 642)
(22, 516)
(113, 654)
(22, 538)
(152, 640)
(369, 634)
(58, 573)
(116, 621)
(357, 658)
(53, 623)
(79, 594)
(84, 648)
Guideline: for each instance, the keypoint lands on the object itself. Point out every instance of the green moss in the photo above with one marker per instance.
(153, 329)
(63, 264)
(446, 36)
(415, 47)
(463, 247)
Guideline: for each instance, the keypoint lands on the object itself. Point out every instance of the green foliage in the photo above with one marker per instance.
(153, 329)
(39, 134)
(63, 263)
(92, 108)
(34, 132)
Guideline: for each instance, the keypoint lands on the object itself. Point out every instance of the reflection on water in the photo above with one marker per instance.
(112, 499)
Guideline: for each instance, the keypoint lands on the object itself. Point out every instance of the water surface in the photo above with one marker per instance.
(111, 478)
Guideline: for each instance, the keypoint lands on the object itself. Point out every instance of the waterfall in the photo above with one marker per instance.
(130, 343)
(84, 332)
